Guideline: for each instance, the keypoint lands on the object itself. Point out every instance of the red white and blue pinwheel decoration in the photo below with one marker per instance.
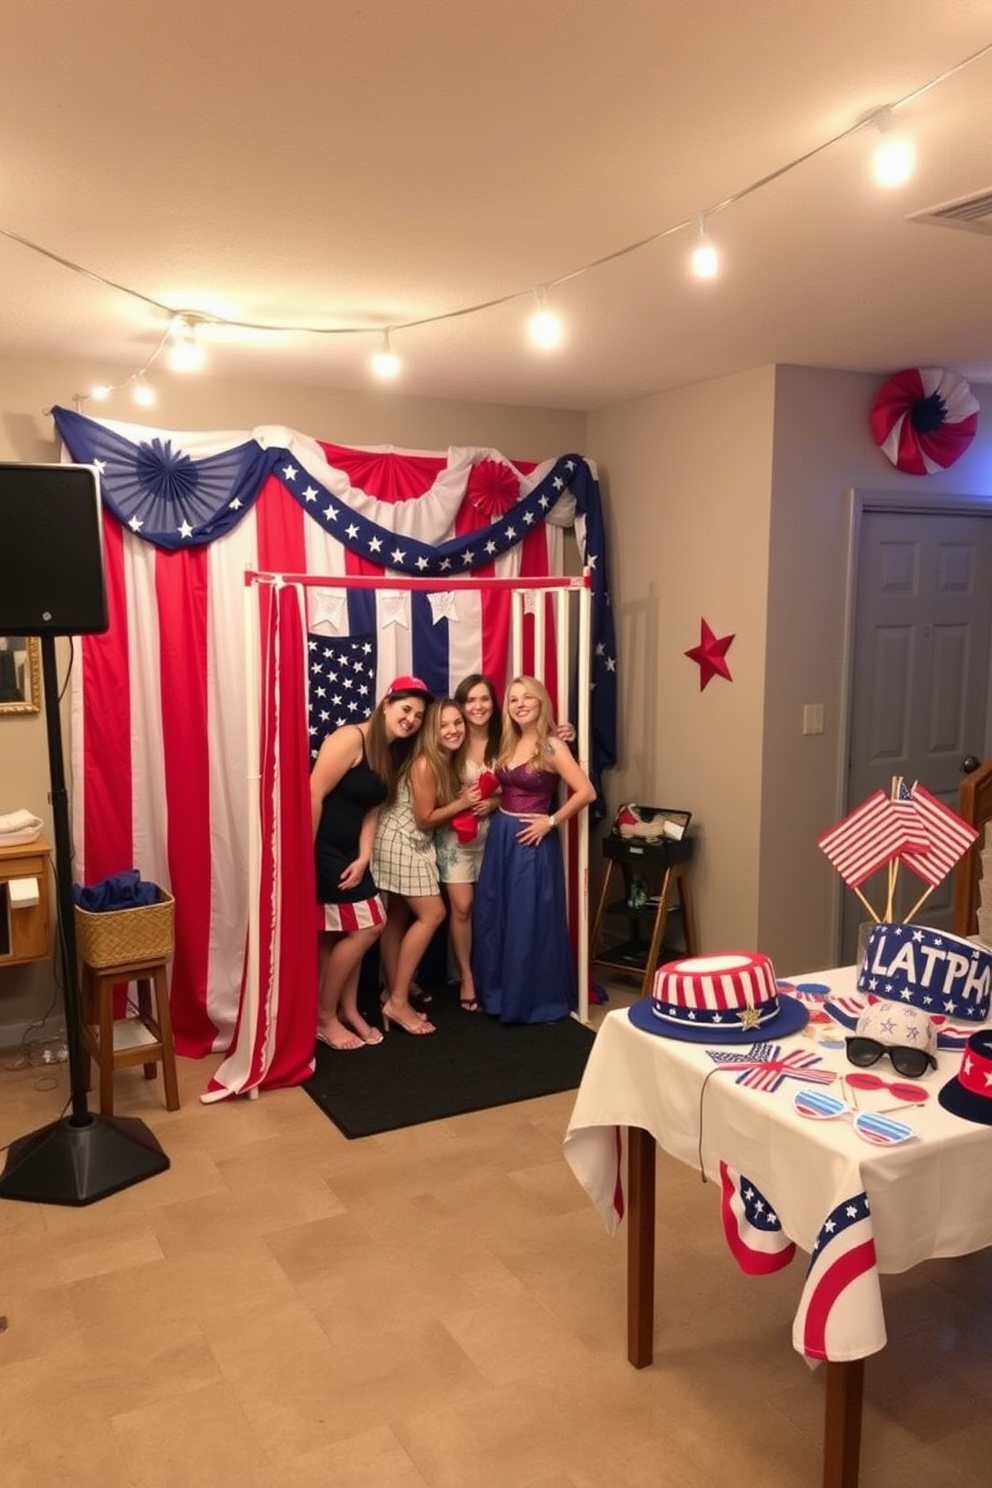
(923, 419)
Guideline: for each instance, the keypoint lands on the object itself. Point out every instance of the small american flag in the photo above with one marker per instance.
(765, 1068)
(917, 839)
(866, 839)
(948, 835)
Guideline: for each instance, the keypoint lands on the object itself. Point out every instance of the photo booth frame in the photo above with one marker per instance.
(550, 631)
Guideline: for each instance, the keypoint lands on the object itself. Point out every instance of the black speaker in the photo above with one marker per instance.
(51, 551)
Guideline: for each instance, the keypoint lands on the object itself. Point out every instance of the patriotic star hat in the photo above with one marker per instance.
(897, 1025)
(728, 999)
(945, 976)
(969, 1094)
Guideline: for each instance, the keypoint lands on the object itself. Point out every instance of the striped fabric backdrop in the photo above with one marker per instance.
(162, 737)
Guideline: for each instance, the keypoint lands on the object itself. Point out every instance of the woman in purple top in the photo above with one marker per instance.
(522, 959)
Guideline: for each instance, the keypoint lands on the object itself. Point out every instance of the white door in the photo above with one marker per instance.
(923, 616)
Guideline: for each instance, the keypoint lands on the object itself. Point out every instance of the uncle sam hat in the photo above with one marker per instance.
(728, 999)
(969, 1094)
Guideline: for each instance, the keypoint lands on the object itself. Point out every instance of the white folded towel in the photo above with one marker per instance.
(19, 826)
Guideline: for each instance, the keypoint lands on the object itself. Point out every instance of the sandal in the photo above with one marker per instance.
(418, 1024)
(470, 1005)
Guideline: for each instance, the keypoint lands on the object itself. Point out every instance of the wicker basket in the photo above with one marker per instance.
(117, 937)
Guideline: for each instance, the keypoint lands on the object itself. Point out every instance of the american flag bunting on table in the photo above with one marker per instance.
(753, 1229)
(840, 1311)
(866, 839)
(948, 838)
(159, 713)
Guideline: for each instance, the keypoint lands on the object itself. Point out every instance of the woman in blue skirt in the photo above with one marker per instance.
(522, 960)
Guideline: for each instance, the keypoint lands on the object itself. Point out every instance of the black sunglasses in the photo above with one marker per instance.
(909, 1062)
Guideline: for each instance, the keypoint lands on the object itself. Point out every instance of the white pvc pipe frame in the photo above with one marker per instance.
(560, 591)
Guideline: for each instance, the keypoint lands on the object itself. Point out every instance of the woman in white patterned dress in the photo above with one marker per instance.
(404, 863)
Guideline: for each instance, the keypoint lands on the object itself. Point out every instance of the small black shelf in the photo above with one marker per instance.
(639, 911)
(660, 854)
(632, 955)
(663, 867)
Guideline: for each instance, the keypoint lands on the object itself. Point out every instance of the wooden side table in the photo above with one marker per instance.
(25, 929)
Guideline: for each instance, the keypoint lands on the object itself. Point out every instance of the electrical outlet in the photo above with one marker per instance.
(812, 718)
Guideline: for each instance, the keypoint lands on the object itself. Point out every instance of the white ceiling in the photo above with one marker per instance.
(364, 163)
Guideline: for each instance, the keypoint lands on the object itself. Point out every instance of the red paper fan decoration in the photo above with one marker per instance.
(493, 488)
(923, 419)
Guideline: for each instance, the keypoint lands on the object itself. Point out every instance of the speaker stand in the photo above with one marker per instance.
(81, 1157)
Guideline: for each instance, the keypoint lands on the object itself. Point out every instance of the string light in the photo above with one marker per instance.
(142, 394)
(705, 259)
(185, 353)
(894, 159)
(544, 327)
(385, 363)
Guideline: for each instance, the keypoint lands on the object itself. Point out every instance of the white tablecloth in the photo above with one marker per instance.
(930, 1196)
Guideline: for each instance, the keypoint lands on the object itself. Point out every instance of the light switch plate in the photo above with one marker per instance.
(812, 718)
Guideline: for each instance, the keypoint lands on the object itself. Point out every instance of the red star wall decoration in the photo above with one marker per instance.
(710, 655)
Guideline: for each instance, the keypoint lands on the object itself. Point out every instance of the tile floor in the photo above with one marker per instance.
(432, 1308)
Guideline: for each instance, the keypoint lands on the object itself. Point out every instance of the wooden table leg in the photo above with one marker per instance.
(640, 1246)
(842, 1424)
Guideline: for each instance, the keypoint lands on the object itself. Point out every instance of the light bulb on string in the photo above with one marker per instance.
(385, 363)
(142, 393)
(544, 328)
(894, 158)
(185, 352)
(100, 393)
(705, 259)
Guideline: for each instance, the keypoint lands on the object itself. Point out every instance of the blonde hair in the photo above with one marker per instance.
(438, 759)
(545, 723)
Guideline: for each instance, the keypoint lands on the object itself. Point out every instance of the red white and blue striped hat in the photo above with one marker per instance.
(728, 999)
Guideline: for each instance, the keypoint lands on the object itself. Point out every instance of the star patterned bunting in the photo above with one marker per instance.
(460, 555)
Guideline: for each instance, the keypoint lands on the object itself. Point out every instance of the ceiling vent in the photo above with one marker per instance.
(972, 213)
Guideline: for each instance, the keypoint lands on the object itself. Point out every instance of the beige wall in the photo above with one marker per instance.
(687, 479)
(27, 435)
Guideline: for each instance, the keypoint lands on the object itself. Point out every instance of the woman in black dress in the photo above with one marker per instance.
(356, 771)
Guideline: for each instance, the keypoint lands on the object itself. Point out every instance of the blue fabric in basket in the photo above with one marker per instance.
(120, 891)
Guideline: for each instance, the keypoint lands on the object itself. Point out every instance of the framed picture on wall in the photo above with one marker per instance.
(20, 674)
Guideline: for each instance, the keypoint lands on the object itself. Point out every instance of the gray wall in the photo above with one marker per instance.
(729, 500)
(823, 450)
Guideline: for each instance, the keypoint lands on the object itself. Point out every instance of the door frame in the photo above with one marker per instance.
(858, 501)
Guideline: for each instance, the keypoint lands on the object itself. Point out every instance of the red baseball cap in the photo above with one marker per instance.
(402, 685)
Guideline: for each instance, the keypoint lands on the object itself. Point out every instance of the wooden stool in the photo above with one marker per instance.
(116, 1043)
